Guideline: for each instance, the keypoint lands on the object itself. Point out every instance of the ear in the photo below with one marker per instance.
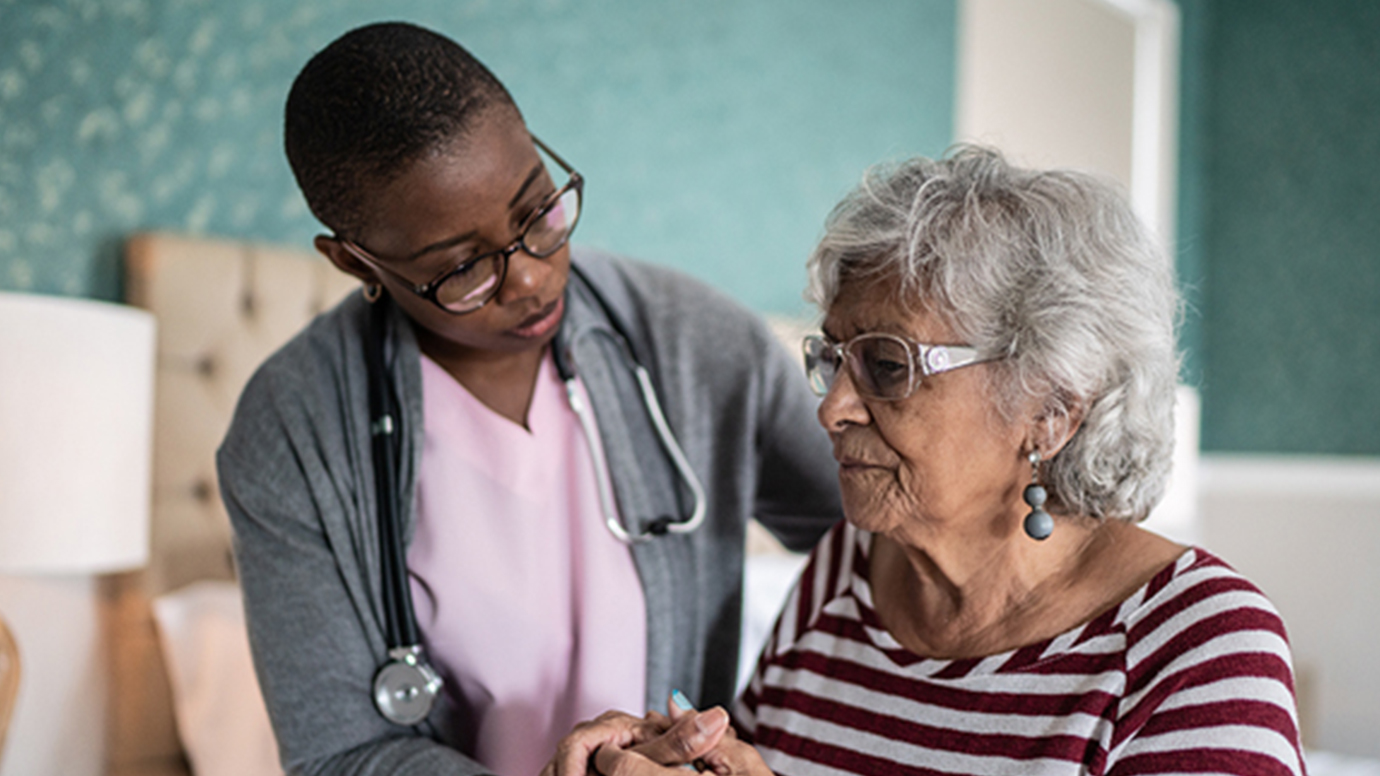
(346, 262)
(1054, 425)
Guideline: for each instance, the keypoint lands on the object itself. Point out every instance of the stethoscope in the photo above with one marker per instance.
(406, 686)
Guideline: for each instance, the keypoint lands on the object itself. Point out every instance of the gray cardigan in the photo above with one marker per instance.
(296, 477)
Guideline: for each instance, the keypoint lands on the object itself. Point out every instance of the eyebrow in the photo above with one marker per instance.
(452, 241)
(879, 327)
(531, 176)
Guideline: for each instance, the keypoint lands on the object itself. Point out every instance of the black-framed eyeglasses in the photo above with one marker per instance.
(883, 366)
(471, 282)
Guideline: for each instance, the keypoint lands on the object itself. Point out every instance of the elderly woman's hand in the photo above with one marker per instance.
(655, 739)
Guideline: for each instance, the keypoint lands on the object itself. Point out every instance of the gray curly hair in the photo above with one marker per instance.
(1052, 274)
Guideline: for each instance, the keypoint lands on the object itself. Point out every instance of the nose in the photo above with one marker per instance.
(842, 405)
(525, 277)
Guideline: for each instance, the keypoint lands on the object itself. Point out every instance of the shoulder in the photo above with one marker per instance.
(1196, 600)
(1207, 656)
(667, 302)
(299, 382)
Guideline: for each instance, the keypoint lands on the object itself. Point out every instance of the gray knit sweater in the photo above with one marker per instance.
(295, 473)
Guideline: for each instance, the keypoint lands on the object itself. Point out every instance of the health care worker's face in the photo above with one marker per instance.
(469, 199)
(937, 465)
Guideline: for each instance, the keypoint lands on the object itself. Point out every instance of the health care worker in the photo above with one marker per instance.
(555, 461)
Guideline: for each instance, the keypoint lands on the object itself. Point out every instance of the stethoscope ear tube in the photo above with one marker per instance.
(406, 686)
(673, 449)
(564, 366)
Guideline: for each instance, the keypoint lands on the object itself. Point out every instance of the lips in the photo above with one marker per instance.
(541, 322)
(852, 458)
(853, 464)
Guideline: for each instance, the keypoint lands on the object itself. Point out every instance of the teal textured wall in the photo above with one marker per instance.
(715, 134)
(1280, 222)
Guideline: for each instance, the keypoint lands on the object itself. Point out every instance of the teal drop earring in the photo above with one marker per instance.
(1038, 524)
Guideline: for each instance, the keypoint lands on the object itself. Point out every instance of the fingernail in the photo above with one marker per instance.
(712, 721)
(683, 703)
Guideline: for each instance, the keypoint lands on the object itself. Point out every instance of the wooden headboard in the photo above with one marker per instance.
(222, 307)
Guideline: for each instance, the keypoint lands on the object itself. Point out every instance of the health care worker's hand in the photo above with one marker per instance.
(730, 758)
(655, 738)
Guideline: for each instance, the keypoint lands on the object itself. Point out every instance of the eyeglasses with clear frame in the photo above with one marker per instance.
(883, 366)
(471, 282)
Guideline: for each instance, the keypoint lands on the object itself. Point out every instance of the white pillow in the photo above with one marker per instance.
(768, 579)
(220, 714)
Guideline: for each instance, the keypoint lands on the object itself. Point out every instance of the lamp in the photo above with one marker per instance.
(76, 406)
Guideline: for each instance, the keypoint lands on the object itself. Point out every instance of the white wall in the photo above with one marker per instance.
(1088, 84)
(1307, 531)
(1049, 82)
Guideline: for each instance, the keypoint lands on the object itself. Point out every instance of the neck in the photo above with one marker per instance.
(503, 381)
(982, 594)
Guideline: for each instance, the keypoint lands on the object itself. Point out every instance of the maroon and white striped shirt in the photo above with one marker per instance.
(1191, 674)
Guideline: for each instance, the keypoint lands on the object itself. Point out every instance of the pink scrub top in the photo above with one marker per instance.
(529, 608)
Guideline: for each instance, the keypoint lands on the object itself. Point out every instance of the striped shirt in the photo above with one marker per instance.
(1190, 674)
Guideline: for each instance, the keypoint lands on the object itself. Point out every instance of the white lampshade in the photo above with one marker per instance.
(76, 433)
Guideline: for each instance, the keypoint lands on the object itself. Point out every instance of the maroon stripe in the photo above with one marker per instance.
(1071, 663)
(851, 630)
(749, 699)
(1264, 665)
(1076, 664)
(1189, 596)
(1236, 623)
(837, 547)
(1025, 656)
(1098, 703)
(849, 760)
(1229, 761)
(860, 567)
(1069, 748)
(1228, 711)
(1102, 625)
(805, 588)
(1169, 572)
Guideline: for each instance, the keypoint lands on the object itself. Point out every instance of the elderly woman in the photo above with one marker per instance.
(998, 369)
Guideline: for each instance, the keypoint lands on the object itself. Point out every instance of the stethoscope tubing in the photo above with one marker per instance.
(665, 436)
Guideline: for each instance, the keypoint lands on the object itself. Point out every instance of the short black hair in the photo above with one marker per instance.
(372, 102)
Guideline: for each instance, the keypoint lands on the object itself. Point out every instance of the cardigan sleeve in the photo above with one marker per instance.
(291, 481)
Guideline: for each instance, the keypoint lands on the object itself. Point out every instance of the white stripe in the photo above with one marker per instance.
(1246, 688)
(786, 626)
(873, 745)
(1191, 616)
(1229, 738)
(819, 585)
(872, 702)
(1231, 643)
(868, 656)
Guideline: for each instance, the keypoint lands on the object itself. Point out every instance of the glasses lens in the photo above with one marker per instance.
(470, 285)
(881, 365)
(821, 364)
(553, 225)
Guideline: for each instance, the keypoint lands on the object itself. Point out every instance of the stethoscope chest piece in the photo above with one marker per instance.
(405, 688)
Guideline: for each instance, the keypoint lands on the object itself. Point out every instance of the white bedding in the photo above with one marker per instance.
(220, 714)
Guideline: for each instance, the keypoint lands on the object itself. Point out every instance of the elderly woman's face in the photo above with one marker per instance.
(940, 462)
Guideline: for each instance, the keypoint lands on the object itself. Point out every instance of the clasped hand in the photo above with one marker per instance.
(619, 744)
